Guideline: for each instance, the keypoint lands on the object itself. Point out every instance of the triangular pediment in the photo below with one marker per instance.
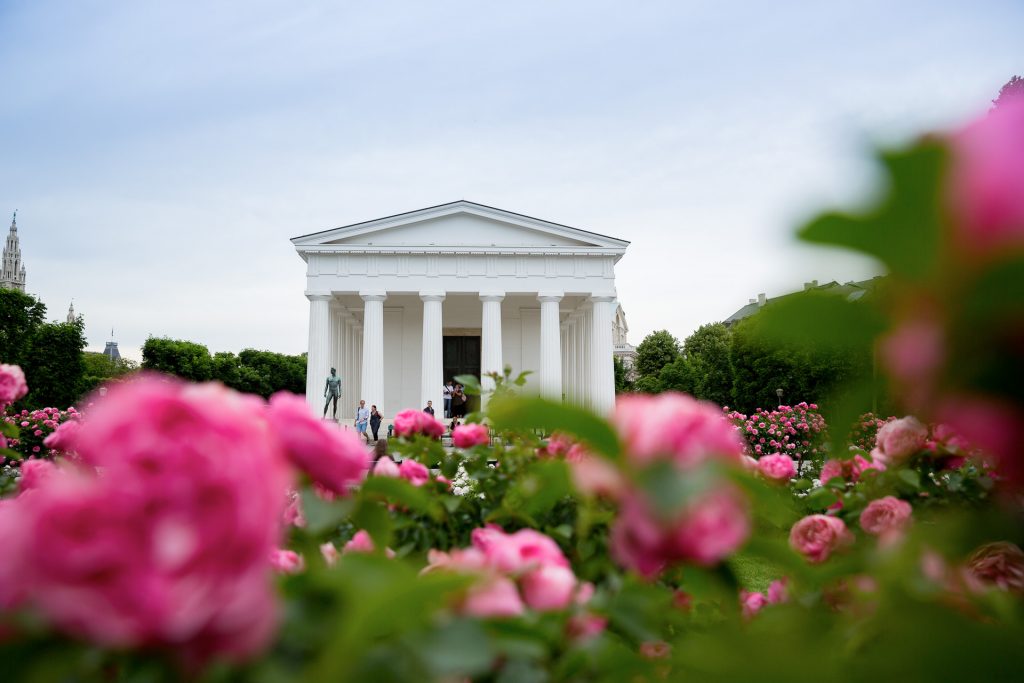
(459, 224)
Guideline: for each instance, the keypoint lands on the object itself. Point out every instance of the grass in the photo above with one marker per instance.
(753, 573)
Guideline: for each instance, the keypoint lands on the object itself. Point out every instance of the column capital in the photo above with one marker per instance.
(602, 298)
(373, 295)
(492, 296)
(319, 296)
(432, 295)
(550, 297)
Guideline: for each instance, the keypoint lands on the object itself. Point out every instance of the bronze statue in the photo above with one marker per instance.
(332, 390)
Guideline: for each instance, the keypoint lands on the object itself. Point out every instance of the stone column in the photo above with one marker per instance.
(550, 346)
(563, 341)
(357, 366)
(571, 393)
(490, 340)
(373, 348)
(602, 373)
(432, 372)
(318, 349)
(588, 335)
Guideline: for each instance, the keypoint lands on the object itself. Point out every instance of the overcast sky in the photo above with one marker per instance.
(160, 154)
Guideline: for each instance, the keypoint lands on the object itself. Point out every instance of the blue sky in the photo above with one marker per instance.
(160, 154)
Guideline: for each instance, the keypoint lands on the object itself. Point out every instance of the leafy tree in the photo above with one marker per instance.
(99, 368)
(622, 383)
(278, 371)
(54, 365)
(1014, 88)
(678, 375)
(657, 350)
(20, 317)
(185, 359)
(707, 353)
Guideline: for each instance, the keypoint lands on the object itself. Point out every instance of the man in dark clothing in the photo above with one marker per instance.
(429, 410)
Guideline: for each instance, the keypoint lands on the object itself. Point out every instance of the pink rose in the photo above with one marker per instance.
(469, 435)
(593, 475)
(12, 384)
(188, 494)
(293, 515)
(414, 472)
(518, 552)
(496, 596)
(287, 561)
(885, 515)
(386, 467)
(914, 351)
(832, 469)
(859, 465)
(989, 425)
(408, 423)
(35, 473)
(330, 553)
(987, 181)
(558, 445)
(752, 603)
(998, 564)
(901, 438)
(333, 458)
(674, 427)
(63, 438)
(708, 530)
(583, 627)
(549, 588)
(777, 467)
(778, 592)
(362, 542)
(818, 536)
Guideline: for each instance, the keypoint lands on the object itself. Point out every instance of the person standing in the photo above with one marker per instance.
(362, 420)
(446, 392)
(429, 410)
(375, 418)
(458, 401)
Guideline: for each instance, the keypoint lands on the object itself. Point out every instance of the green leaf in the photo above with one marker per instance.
(820, 499)
(911, 477)
(819, 319)
(904, 230)
(544, 484)
(400, 491)
(10, 454)
(470, 383)
(459, 648)
(321, 515)
(804, 484)
(527, 414)
(10, 430)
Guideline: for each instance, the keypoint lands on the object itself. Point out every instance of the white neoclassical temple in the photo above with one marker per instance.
(400, 304)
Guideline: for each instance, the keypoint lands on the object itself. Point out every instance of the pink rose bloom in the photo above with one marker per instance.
(989, 425)
(386, 467)
(752, 603)
(496, 596)
(593, 475)
(414, 472)
(12, 384)
(987, 180)
(35, 473)
(333, 458)
(549, 588)
(287, 561)
(464, 560)
(469, 435)
(901, 438)
(168, 545)
(362, 542)
(583, 627)
(558, 445)
(818, 536)
(999, 564)
(514, 553)
(63, 438)
(860, 465)
(330, 553)
(914, 351)
(777, 592)
(674, 427)
(408, 423)
(749, 463)
(885, 515)
(777, 467)
(705, 532)
(293, 515)
(832, 469)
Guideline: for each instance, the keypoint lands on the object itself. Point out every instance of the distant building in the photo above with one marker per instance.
(621, 348)
(851, 290)
(71, 313)
(12, 275)
(111, 351)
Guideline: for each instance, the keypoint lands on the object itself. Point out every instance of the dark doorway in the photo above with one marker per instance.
(462, 357)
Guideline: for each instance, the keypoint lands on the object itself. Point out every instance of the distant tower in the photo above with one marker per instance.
(12, 275)
(111, 351)
(71, 312)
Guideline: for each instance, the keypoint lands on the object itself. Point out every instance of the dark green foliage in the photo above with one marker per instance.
(678, 376)
(184, 359)
(255, 372)
(20, 316)
(622, 383)
(707, 353)
(54, 366)
(657, 350)
(99, 369)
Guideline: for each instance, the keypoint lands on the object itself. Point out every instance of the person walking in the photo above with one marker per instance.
(446, 392)
(362, 420)
(429, 410)
(375, 419)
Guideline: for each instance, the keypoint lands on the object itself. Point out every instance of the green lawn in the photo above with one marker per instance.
(754, 574)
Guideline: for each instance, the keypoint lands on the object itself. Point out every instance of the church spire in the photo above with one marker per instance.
(71, 312)
(12, 270)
